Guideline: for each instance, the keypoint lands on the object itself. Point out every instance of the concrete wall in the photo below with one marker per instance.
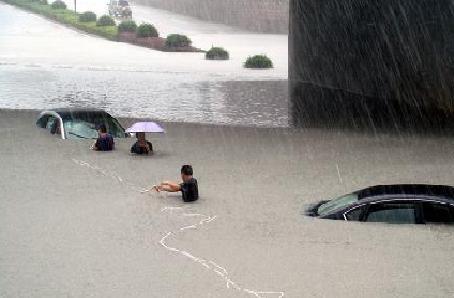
(370, 62)
(268, 16)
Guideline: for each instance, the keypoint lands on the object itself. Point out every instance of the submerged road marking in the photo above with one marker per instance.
(208, 264)
(211, 265)
(338, 173)
(107, 173)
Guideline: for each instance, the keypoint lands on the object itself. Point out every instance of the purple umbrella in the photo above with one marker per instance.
(145, 127)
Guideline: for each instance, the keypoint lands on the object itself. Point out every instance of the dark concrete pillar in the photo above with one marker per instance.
(369, 63)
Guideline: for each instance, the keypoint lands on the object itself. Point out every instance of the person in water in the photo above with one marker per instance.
(105, 141)
(189, 187)
(142, 146)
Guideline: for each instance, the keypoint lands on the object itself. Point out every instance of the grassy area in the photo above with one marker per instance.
(67, 17)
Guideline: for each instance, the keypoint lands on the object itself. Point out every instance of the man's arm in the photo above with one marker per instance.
(95, 145)
(169, 186)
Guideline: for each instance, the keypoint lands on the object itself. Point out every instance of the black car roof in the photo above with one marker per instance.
(77, 110)
(399, 189)
(69, 112)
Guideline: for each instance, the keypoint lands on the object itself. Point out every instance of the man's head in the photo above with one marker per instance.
(102, 128)
(186, 172)
(140, 136)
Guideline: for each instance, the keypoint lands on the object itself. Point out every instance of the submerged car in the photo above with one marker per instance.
(120, 9)
(400, 204)
(79, 123)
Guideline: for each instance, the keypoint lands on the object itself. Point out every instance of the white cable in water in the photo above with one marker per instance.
(221, 272)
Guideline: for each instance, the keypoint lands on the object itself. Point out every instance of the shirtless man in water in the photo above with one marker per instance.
(188, 187)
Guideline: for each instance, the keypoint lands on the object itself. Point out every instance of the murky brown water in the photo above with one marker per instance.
(73, 222)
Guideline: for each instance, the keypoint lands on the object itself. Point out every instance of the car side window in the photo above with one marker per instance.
(399, 213)
(435, 212)
(50, 122)
(354, 214)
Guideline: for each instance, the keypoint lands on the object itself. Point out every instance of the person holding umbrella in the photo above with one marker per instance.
(142, 146)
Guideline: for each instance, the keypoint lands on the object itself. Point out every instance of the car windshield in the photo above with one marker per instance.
(80, 129)
(86, 128)
(337, 204)
(123, 3)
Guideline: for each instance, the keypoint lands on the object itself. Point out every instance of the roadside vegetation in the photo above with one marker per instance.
(217, 53)
(58, 13)
(147, 30)
(127, 26)
(104, 21)
(58, 4)
(177, 41)
(258, 61)
(145, 35)
(87, 16)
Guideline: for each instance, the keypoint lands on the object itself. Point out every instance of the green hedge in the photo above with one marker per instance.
(146, 30)
(87, 16)
(105, 20)
(258, 61)
(217, 53)
(58, 4)
(65, 16)
(177, 40)
(127, 26)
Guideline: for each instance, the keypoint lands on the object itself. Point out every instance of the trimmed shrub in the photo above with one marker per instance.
(87, 16)
(146, 30)
(258, 61)
(177, 40)
(105, 20)
(217, 53)
(58, 4)
(127, 26)
(43, 2)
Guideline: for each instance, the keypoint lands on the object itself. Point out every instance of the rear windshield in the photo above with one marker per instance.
(337, 204)
(83, 125)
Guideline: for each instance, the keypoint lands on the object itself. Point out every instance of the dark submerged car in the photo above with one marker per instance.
(79, 123)
(401, 204)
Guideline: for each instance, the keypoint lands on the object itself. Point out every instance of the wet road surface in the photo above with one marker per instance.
(44, 65)
(73, 222)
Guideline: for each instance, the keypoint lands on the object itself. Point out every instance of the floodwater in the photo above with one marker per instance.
(73, 222)
(45, 65)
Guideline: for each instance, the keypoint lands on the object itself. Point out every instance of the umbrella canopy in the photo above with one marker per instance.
(146, 127)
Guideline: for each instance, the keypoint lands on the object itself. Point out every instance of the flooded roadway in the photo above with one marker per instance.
(74, 224)
(44, 64)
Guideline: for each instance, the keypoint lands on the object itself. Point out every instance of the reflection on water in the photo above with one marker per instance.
(44, 65)
(165, 96)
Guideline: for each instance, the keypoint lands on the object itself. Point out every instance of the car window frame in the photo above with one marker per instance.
(417, 199)
(58, 117)
(361, 217)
